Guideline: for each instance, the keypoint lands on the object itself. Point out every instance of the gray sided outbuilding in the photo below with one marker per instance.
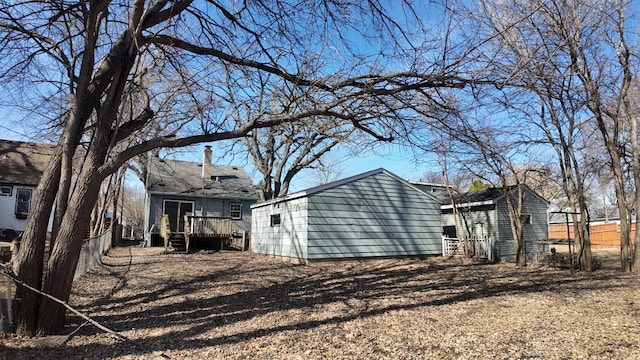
(485, 213)
(374, 214)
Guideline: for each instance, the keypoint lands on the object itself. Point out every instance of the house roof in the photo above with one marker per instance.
(184, 178)
(23, 163)
(331, 185)
(483, 197)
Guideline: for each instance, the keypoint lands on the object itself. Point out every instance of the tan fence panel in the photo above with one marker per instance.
(603, 236)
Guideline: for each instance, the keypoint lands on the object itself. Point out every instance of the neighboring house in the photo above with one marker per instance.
(373, 214)
(485, 213)
(178, 188)
(22, 165)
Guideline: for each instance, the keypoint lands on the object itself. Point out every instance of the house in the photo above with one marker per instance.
(374, 214)
(484, 214)
(177, 188)
(22, 165)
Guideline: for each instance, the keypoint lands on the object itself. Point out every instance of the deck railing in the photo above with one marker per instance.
(208, 225)
(479, 246)
(165, 230)
(212, 227)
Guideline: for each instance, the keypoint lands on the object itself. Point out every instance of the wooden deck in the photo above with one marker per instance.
(212, 229)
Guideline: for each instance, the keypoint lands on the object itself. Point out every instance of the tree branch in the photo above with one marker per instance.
(5, 272)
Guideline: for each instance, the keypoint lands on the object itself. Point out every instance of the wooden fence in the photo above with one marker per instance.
(603, 236)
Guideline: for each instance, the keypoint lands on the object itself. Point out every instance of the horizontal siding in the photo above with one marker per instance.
(325, 223)
(537, 230)
(212, 207)
(289, 239)
(376, 239)
(374, 216)
(506, 247)
(8, 218)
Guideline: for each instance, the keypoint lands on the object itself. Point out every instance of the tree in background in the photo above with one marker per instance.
(565, 67)
(100, 61)
(478, 185)
(329, 168)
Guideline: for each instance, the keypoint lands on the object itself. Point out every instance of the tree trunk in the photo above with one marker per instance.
(28, 262)
(65, 255)
(585, 259)
(515, 212)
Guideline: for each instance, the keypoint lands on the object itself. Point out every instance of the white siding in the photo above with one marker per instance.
(289, 238)
(8, 218)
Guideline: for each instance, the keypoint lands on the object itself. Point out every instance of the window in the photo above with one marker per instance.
(6, 190)
(449, 231)
(23, 203)
(235, 211)
(525, 219)
(275, 220)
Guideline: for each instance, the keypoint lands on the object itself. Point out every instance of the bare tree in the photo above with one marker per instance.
(570, 63)
(492, 155)
(92, 54)
(329, 168)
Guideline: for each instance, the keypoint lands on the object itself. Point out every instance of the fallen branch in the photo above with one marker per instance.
(8, 275)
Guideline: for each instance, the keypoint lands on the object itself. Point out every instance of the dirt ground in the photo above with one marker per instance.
(235, 305)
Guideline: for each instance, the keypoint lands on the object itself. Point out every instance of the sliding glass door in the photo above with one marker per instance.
(177, 209)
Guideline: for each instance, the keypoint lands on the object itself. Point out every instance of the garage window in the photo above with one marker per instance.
(275, 220)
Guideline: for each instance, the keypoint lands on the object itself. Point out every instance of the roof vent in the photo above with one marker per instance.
(161, 184)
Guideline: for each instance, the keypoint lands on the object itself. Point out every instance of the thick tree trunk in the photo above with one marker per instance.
(28, 262)
(66, 251)
(585, 259)
(65, 254)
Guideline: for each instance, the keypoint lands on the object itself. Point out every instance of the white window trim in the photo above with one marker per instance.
(23, 214)
(3, 187)
(239, 210)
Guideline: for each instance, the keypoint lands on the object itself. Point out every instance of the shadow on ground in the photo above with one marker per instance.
(178, 302)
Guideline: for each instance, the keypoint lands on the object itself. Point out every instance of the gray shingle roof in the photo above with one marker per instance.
(490, 194)
(485, 196)
(23, 162)
(185, 178)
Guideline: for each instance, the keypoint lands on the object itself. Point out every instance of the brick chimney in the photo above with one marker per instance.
(206, 162)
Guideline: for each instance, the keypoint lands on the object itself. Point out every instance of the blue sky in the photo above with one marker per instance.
(394, 158)
(391, 157)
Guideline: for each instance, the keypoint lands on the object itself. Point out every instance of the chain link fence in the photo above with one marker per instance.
(91, 251)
